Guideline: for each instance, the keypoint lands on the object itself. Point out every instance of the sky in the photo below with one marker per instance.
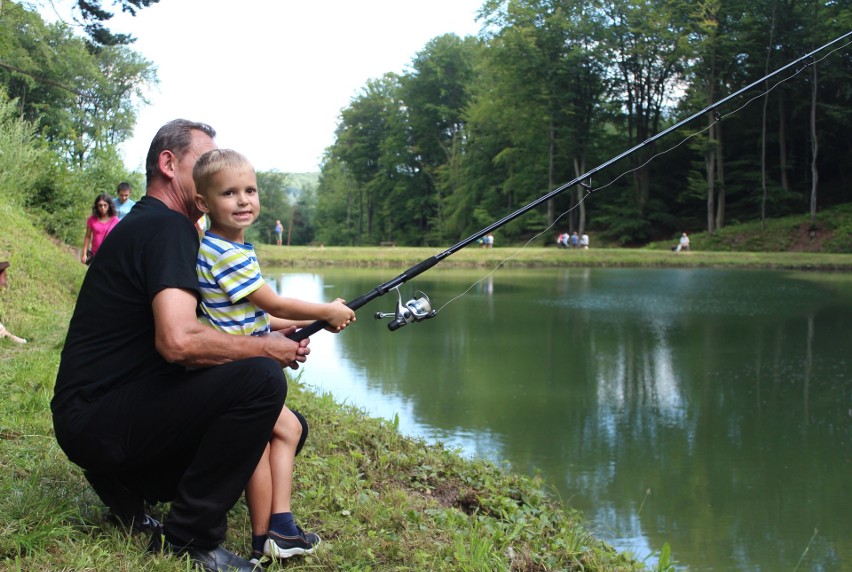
(271, 76)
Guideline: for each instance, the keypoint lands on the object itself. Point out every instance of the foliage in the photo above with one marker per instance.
(81, 102)
(94, 13)
(274, 205)
(479, 127)
(21, 153)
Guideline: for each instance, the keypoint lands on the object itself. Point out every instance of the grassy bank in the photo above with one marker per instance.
(379, 500)
(794, 243)
(400, 258)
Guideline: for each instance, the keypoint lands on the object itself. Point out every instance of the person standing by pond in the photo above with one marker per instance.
(279, 232)
(98, 226)
(235, 299)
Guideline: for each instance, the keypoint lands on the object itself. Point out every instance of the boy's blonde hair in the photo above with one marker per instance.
(212, 162)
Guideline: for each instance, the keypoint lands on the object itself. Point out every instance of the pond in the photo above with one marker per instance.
(708, 409)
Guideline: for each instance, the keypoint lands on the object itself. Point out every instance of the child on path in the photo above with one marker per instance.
(235, 299)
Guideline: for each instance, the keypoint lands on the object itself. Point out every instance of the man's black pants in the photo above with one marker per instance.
(194, 440)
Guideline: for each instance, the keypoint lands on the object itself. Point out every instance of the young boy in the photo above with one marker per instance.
(236, 299)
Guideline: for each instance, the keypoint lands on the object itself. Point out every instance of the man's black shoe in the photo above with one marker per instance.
(124, 504)
(215, 560)
(145, 525)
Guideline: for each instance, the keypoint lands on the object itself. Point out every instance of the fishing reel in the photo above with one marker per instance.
(415, 310)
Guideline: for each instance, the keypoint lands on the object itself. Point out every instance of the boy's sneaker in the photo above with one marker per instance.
(257, 560)
(280, 546)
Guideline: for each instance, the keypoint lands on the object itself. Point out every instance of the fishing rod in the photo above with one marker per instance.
(419, 308)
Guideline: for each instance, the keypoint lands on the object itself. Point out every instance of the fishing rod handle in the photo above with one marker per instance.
(379, 290)
(308, 331)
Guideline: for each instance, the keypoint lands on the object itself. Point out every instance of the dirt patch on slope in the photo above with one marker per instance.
(808, 237)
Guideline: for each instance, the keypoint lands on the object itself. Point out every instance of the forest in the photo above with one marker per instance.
(477, 127)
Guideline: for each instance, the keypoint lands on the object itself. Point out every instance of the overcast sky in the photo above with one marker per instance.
(271, 76)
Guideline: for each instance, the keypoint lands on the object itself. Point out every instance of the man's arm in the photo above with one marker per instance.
(181, 338)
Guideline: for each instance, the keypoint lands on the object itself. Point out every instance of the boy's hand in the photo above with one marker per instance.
(339, 315)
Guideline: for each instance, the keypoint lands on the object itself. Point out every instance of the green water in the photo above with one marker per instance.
(710, 409)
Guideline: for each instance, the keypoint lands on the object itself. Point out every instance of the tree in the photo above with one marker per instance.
(550, 50)
(81, 98)
(275, 204)
(371, 144)
(335, 205)
(436, 94)
(648, 44)
(92, 15)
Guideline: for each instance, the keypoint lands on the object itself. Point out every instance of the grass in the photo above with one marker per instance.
(399, 259)
(379, 500)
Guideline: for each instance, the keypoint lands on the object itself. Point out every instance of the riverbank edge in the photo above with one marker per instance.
(379, 500)
(544, 257)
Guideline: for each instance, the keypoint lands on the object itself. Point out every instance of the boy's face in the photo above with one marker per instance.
(231, 200)
(123, 195)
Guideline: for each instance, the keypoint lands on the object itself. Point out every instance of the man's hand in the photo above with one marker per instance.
(301, 352)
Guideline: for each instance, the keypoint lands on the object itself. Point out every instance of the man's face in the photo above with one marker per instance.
(201, 143)
(123, 195)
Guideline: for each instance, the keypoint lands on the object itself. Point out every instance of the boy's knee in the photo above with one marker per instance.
(288, 428)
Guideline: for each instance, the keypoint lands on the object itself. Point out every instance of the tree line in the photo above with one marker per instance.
(478, 127)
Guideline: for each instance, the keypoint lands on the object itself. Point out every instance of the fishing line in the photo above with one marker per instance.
(589, 190)
(419, 308)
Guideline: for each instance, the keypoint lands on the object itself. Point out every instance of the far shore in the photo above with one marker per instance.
(401, 258)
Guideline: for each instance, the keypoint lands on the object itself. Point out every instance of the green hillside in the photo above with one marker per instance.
(830, 232)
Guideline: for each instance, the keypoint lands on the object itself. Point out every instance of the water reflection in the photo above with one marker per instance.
(708, 409)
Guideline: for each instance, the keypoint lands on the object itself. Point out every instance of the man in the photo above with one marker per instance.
(123, 203)
(153, 405)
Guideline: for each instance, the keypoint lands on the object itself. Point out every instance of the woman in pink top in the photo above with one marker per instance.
(98, 225)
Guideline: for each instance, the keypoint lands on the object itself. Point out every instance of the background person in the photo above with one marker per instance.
(683, 243)
(4, 333)
(279, 232)
(123, 202)
(98, 226)
(156, 406)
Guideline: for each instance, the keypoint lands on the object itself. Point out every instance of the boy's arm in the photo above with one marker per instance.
(282, 324)
(337, 314)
